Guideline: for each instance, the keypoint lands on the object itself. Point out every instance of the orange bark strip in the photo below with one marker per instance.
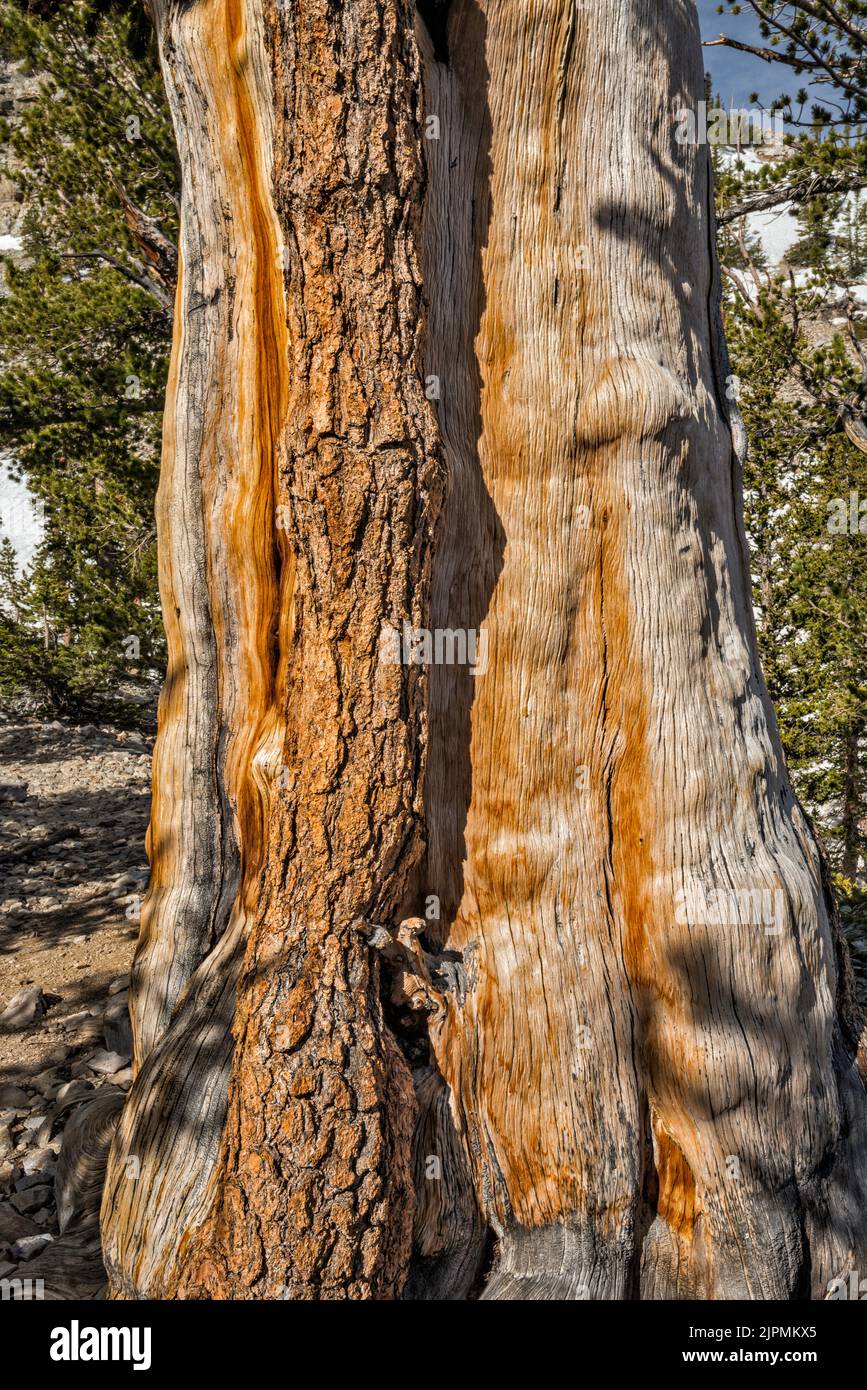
(676, 1201)
(608, 805)
(208, 816)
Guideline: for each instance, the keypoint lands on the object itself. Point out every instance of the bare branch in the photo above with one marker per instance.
(142, 278)
(793, 191)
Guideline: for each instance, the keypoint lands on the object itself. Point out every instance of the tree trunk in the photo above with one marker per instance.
(541, 951)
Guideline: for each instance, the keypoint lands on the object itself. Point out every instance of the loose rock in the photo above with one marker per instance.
(23, 1008)
(28, 1246)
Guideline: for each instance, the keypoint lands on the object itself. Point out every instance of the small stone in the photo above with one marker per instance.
(28, 1180)
(106, 1063)
(76, 1020)
(39, 1162)
(24, 1008)
(12, 1224)
(119, 985)
(116, 1029)
(46, 1084)
(12, 1097)
(73, 1090)
(43, 1134)
(124, 881)
(31, 1199)
(28, 1246)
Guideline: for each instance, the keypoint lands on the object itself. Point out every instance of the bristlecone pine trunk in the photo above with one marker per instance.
(487, 951)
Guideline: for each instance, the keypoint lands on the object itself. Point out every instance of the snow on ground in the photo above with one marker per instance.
(777, 230)
(20, 515)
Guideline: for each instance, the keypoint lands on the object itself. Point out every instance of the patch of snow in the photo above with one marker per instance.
(21, 516)
(777, 231)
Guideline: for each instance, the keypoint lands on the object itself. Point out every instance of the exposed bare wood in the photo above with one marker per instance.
(71, 1266)
(606, 802)
(159, 251)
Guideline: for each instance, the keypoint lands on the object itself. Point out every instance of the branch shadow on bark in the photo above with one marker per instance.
(797, 1225)
(776, 1226)
(687, 1215)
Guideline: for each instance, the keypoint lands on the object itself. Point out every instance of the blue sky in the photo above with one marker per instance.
(737, 75)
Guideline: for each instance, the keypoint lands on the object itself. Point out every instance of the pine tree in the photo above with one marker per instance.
(818, 240)
(84, 336)
(826, 150)
(805, 482)
(803, 389)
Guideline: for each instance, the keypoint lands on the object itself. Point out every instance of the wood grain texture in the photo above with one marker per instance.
(655, 1091)
(219, 577)
(626, 1052)
(71, 1266)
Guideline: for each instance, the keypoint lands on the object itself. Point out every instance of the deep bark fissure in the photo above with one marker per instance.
(435, 14)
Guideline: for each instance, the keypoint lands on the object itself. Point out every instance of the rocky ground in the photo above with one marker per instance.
(73, 813)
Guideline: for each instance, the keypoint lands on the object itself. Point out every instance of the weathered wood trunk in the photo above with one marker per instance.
(628, 1019)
